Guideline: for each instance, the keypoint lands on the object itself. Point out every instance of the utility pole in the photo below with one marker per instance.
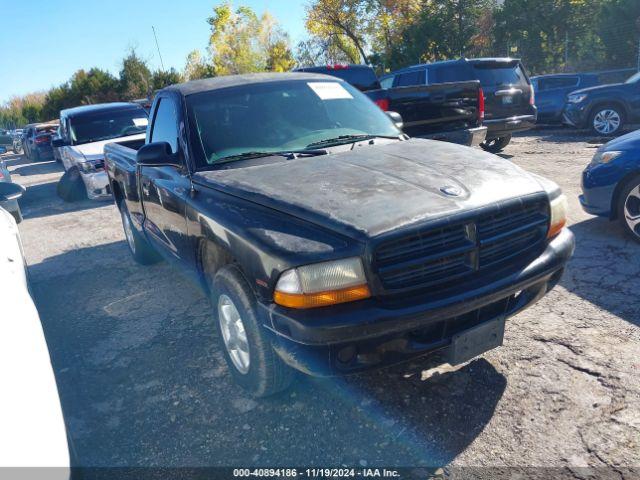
(566, 50)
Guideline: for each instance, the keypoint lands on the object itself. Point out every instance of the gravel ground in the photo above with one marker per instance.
(142, 383)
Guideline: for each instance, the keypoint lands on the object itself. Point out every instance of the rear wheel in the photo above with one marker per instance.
(254, 364)
(629, 208)
(606, 120)
(70, 187)
(496, 145)
(141, 251)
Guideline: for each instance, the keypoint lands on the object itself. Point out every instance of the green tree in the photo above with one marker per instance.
(233, 44)
(196, 67)
(343, 23)
(135, 77)
(551, 35)
(279, 57)
(242, 42)
(164, 78)
(619, 30)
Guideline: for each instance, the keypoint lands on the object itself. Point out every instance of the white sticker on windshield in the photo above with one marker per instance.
(329, 90)
(141, 122)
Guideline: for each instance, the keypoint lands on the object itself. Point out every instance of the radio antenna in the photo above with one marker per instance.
(157, 46)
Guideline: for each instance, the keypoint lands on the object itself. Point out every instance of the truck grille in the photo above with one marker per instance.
(468, 248)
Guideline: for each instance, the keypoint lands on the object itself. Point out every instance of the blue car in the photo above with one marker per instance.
(552, 90)
(611, 183)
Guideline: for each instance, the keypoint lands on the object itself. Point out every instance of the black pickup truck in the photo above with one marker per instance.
(451, 111)
(327, 240)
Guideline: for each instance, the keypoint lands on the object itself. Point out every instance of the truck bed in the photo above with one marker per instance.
(428, 110)
(120, 165)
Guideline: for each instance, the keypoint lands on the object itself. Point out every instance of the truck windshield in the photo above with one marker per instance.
(107, 125)
(282, 116)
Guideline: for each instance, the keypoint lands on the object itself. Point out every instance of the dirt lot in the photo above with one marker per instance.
(142, 384)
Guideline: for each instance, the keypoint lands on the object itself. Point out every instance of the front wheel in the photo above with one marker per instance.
(141, 251)
(496, 145)
(606, 121)
(629, 208)
(254, 364)
(71, 187)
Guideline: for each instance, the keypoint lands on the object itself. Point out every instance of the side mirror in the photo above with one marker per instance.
(10, 191)
(396, 118)
(3, 150)
(58, 142)
(157, 154)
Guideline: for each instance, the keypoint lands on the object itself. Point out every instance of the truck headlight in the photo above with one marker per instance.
(576, 97)
(322, 284)
(89, 166)
(558, 208)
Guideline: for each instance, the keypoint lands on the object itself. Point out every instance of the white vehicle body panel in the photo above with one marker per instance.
(31, 423)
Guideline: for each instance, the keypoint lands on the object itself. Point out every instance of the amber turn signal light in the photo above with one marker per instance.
(322, 299)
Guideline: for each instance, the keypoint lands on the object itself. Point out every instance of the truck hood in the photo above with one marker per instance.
(95, 150)
(370, 190)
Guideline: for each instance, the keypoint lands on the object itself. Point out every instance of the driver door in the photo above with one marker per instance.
(164, 189)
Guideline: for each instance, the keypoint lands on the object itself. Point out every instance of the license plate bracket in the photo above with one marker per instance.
(476, 341)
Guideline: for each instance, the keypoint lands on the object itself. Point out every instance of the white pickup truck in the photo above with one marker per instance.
(84, 131)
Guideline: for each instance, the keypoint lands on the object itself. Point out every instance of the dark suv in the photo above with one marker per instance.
(509, 98)
(606, 109)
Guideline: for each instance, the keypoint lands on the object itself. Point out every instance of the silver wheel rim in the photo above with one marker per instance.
(233, 334)
(606, 121)
(128, 231)
(632, 210)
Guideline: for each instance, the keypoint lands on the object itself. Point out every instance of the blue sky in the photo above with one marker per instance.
(43, 42)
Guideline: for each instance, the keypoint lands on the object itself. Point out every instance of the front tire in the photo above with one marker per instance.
(606, 120)
(629, 208)
(139, 247)
(496, 145)
(70, 187)
(251, 359)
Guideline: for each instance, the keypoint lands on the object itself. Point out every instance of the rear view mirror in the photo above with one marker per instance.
(157, 154)
(396, 118)
(10, 191)
(58, 142)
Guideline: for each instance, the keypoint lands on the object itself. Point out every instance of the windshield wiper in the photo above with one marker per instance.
(348, 139)
(258, 154)
(245, 156)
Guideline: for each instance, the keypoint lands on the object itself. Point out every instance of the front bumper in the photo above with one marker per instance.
(575, 115)
(599, 183)
(502, 127)
(97, 185)
(471, 136)
(352, 337)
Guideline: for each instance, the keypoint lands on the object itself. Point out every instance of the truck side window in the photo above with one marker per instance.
(165, 128)
(409, 79)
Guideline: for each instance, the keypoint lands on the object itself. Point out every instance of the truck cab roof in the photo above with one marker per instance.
(97, 108)
(228, 81)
